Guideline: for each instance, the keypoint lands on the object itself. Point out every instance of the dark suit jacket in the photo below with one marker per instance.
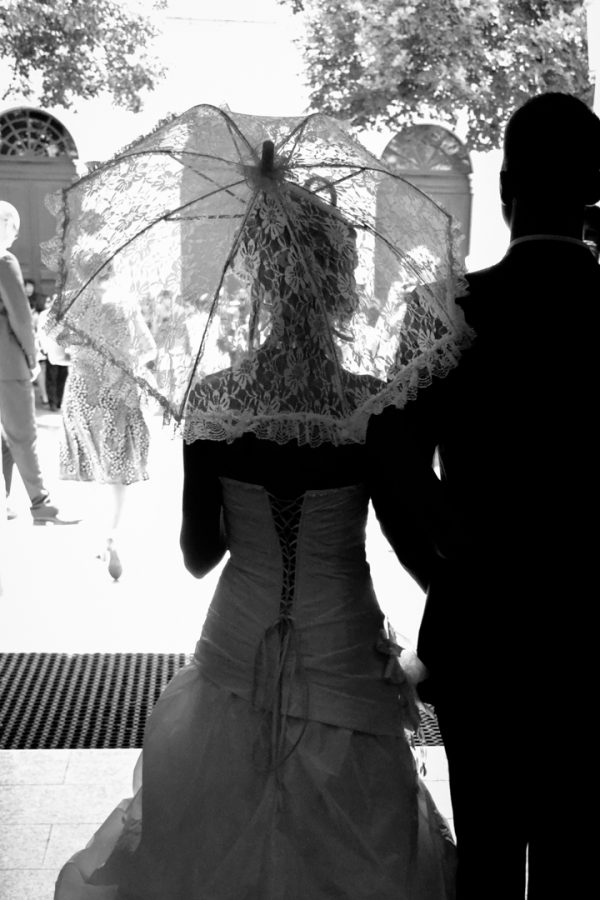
(515, 428)
(17, 340)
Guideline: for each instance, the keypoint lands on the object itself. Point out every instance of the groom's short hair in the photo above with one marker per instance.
(552, 139)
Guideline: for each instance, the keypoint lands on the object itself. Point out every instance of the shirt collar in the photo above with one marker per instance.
(546, 237)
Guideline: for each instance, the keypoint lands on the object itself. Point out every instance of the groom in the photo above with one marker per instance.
(507, 630)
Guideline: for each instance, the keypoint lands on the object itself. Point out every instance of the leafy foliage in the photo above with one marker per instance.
(71, 49)
(386, 62)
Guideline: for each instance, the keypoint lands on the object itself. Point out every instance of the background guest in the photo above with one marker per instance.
(18, 367)
(105, 437)
(57, 363)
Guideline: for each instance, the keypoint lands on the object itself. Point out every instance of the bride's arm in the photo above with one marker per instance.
(202, 538)
(409, 500)
(397, 496)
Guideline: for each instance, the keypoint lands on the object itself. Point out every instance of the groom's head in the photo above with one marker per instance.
(551, 154)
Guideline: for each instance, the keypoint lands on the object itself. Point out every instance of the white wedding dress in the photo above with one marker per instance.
(276, 766)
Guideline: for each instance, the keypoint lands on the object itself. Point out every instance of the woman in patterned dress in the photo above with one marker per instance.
(105, 437)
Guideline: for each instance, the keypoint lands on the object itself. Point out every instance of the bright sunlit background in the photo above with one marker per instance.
(244, 54)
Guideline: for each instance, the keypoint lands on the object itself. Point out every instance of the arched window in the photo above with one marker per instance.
(435, 160)
(426, 148)
(33, 134)
(37, 156)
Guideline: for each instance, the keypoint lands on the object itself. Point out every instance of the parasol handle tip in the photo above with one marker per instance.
(268, 158)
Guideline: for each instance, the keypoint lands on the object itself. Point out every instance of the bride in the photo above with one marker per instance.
(278, 764)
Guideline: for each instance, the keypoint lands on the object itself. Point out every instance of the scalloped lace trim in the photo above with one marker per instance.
(313, 430)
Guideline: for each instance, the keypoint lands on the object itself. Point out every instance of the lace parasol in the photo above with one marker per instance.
(293, 286)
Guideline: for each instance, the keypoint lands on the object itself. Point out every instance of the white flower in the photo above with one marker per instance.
(297, 371)
(318, 324)
(272, 218)
(245, 372)
(267, 405)
(347, 285)
(247, 260)
(295, 272)
(339, 235)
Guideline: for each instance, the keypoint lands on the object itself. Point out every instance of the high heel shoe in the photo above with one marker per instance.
(115, 568)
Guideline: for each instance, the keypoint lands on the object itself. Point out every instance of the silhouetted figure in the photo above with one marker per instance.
(57, 363)
(508, 614)
(18, 366)
(37, 300)
(37, 304)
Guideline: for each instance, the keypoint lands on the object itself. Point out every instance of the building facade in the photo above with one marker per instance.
(37, 158)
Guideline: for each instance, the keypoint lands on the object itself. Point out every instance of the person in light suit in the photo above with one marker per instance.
(18, 368)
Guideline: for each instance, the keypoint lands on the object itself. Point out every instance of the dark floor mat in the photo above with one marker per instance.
(57, 700)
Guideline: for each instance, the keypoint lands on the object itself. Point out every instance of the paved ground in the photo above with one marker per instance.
(52, 801)
(59, 598)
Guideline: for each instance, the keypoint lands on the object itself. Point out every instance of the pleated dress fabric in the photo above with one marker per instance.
(276, 765)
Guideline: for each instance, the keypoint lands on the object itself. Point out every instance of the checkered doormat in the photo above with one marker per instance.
(57, 700)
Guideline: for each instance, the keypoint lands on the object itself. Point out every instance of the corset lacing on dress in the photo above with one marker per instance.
(278, 665)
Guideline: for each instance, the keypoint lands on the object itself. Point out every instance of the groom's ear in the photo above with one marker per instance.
(507, 196)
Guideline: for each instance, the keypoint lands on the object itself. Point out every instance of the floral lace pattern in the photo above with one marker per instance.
(292, 301)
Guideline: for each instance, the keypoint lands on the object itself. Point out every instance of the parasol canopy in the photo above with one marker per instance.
(293, 285)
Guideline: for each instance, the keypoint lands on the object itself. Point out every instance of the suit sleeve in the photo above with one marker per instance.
(17, 308)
